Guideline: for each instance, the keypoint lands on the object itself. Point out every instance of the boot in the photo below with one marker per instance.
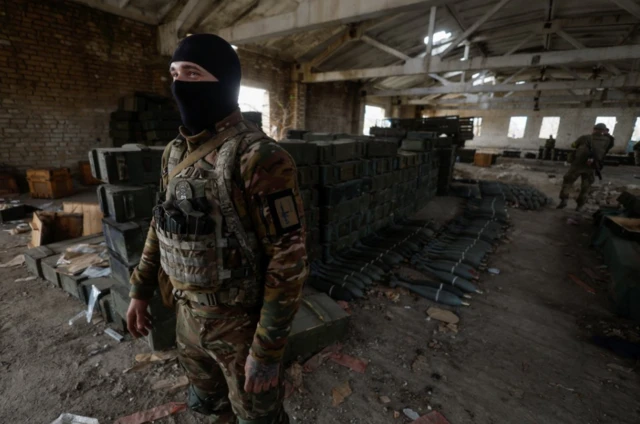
(562, 204)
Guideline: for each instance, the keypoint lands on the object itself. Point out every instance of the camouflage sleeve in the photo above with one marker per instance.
(276, 209)
(144, 279)
(580, 141)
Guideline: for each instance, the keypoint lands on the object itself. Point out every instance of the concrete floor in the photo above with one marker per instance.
(522, 355)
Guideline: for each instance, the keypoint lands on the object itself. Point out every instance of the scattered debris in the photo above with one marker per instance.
(433, 417)
(98, 351)
(340, 393)
(620, 368)
(396, 414)
(20, 229)
(443, 328)
(157, 356)
(25, 279)
(494, 271)
(171, 384)
(571, 221)
(385, 399)
(293, 380)
(443, 315)
(74, 419)
(420, 364)
(318, 359)
(18, 260)
(344, 305)
(410, 413)
(582, 284)
(114, 334)
(79, 315)
(355, 364)
(562, 387)
(435, 345)
(592, 274)
(153, 414)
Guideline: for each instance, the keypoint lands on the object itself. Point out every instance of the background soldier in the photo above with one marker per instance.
(549, 146)
(589, 154)
(228, 234)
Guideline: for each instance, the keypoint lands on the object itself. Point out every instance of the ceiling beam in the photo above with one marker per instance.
(184, 14)
(620, 97)
(463, 37)
(531, 105)
(630, 6)
(594, 22)
(314, 14)
(123, 3)
(377, 44)
(113, 7)
(347, 37)
(627, 81)
(431, 30)
(520, 44)
(578, 45)
(417, 66)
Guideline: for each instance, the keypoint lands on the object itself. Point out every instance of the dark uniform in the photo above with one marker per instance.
(588, 148)
(229, 235)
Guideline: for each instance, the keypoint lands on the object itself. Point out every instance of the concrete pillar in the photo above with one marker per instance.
(298, 104)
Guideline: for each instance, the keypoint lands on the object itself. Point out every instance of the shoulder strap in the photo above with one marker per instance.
(223, 171)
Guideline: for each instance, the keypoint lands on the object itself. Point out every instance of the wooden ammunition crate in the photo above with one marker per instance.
(50, 183)
(85, 174)
(482, 159)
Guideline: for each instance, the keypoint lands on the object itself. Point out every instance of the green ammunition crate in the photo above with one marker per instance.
(102, 284)
(49, 266)
(125, 203)
(308, 176)
(330, 152)
(381, 148)
(320, 322)
(120, 271)
(302, 152)
(335, 194)
(319, 136)
(417, 145)
(71, 284)
(131, 164)
(340, 172)
(309, 198)
(126, 239)
(312, 218)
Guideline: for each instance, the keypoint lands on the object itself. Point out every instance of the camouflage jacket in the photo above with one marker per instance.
(587, 145)
(265, 177)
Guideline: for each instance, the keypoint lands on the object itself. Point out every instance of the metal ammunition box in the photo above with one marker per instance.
(309, 136)
(120, 271)
(380, 148)
(308, 176)
(340, 172)
(126, 239)
(387, 132)
(312, 218)
(336, 151)
(417, 145)
(33, 257)
(102, 284)
(334, 194)
(319, 323)
(71, 284)
(296, 134)
(125, 203)
(309, 198)
(422, 135)
(49, 266)
(130, 164)
(303, 153)
(334, 231)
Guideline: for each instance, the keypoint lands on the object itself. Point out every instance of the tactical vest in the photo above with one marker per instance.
(197, 255)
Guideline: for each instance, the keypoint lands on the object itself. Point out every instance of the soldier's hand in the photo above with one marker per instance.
(260, 377)
(138, 318)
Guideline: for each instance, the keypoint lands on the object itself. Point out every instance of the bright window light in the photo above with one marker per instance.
(520, 82)
(486, 80)
(373, 115)
(255, 100)
(609, 121)
(517, 125)
(477, 126)
(438, 36)
(636, 131)
(474, 76)
(550, 126)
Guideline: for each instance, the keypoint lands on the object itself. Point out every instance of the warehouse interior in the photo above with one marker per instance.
(420, 129)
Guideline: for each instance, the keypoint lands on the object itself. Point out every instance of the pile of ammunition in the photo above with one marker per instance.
(517, 195)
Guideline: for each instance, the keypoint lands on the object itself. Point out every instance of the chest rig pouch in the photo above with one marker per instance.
(198, 226)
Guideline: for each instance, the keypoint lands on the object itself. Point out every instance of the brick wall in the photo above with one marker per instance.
(63, 67)
(333, 107)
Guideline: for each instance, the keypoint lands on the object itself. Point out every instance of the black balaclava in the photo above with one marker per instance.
(203, 104)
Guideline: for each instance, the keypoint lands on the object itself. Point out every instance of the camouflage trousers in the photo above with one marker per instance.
(213, 345)
(587, 176)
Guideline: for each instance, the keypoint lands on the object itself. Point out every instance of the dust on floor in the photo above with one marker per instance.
(521, 355)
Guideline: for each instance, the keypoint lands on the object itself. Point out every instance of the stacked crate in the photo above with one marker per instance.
(383, 178)
(130, 174)
(305, 155)
(423, 144)
(144, 119)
